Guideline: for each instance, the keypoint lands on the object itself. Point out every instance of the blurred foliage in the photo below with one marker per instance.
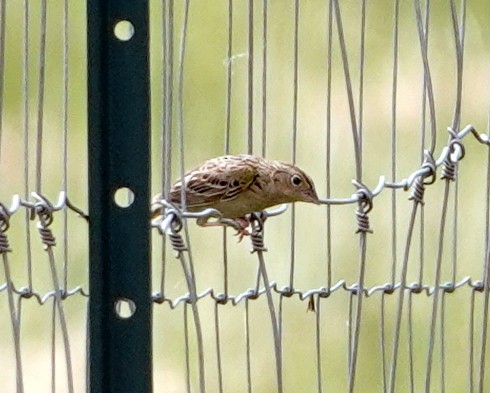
(204, 124)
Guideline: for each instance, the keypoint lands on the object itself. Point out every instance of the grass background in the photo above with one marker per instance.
(204, 125)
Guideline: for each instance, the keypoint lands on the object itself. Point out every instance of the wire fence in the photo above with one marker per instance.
(383, 287)
(42, 284)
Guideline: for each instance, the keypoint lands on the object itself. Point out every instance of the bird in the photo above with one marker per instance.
(237, 185)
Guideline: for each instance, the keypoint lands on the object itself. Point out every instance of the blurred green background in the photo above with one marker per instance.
(204, 115)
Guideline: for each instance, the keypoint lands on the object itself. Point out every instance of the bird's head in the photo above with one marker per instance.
(295, 185)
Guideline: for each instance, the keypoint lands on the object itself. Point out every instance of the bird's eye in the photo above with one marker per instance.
(296, 180)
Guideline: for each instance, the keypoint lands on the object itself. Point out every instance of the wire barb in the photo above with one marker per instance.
(427, 177)
(177, 242)
(4, 243)
(170, 223)
(47, 236)
(365, 204)
(4, 226)
(44, 209)
(257, 221)
(456, 153)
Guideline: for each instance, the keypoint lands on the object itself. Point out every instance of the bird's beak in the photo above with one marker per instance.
(312, 197)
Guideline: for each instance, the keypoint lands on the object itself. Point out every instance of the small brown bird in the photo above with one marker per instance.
(239, 185)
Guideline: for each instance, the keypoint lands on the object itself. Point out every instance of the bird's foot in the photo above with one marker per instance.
(240, 224)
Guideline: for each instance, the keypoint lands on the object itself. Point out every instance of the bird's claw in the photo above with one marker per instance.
(240, 224)
(241, 233)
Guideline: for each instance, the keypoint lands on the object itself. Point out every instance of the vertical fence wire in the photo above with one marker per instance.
(25, 93)
(459, 35)
(443, 342)
(294, 135)
(14, 313)
(41, 94)
(248, 357)
(229, 69)
(471, 339)
(318, 346)
(64, 147)
(400, 300)
(250, 77)
(328, 147)
(353, 351)
(394, 96)
(219, 363)
(437, 290)
(411, 371)
(423, 34)
(188, 263)
(486, 274)
(265, 5)
(3, 13)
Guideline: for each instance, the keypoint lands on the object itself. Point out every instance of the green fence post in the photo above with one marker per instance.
(119, 156)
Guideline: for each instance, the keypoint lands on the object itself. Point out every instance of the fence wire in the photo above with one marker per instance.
(44, 290)
(299, 77)
(386, 108)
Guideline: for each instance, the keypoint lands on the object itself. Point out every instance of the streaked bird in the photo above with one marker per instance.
(237, 185)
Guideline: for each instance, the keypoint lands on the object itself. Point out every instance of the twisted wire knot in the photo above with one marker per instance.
(257, 235)
(365, 204)
(4, 243)
(415, 287)
(363, 222)
(47, 236)
(4, 226)
(456, 153)
(4, 218)
(478, 286)
(177, 242)
(43, 209)
(418, 189)
(221, 298)
(172, 225)
(169, 220)
(449, 169)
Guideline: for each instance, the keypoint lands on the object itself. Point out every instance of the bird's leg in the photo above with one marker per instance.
(240, 224)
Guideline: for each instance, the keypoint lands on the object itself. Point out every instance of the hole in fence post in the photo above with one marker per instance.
(124, 30)
(125, 308)
(124, 197)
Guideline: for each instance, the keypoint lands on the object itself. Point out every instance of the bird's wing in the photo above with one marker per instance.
(211, 184)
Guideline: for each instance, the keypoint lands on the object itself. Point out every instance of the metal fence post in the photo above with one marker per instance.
(119, 156)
